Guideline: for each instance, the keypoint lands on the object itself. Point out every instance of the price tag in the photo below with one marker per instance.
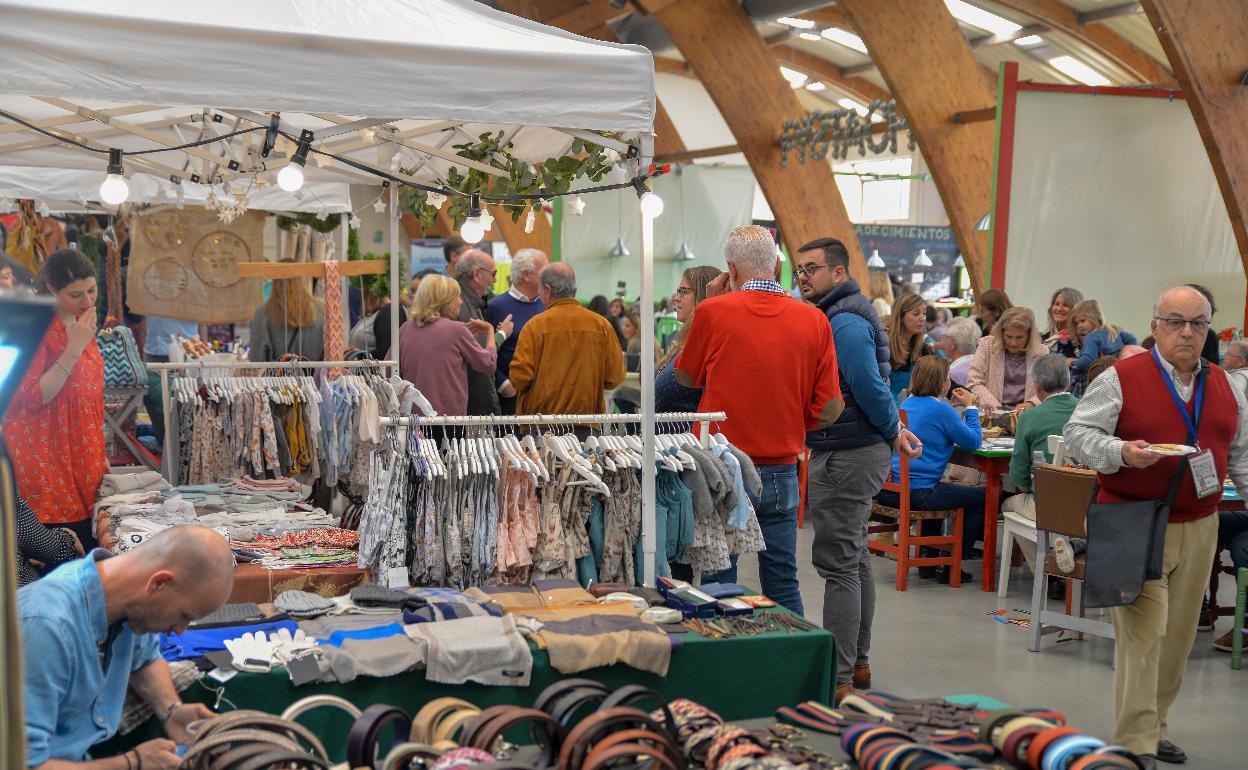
(1204, 473)
(397, 577)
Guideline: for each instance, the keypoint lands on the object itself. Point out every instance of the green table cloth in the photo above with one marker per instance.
(740, 678)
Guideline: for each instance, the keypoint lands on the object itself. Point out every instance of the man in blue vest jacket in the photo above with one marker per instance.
(850, 458)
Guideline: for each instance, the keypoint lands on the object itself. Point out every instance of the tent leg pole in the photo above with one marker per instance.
(394, 271)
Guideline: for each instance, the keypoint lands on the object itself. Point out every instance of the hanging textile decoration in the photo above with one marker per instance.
(123, 367)
(333, 316)
(26, 244)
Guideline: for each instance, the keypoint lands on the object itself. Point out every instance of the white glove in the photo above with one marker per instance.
(288, 647)
(252, 652)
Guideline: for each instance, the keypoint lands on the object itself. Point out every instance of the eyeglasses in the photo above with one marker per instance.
(493, 273)
(683, 291)
(1199, 325)
(804, 272)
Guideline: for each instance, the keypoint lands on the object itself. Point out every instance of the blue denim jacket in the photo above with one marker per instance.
(76, 667)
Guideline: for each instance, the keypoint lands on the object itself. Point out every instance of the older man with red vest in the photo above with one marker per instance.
(1168, 396)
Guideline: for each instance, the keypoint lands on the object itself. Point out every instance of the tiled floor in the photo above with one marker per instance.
(934, 640)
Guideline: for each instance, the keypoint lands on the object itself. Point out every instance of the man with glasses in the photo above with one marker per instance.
(476, 272)
(850, 458)
(1168, 396)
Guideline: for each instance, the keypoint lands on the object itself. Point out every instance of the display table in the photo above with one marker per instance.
(740, 678)
(253, 583)
(993, 464)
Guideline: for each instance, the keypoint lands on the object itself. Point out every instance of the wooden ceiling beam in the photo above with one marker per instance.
(589, 16)
(905, 37)
(1062, 18)
(1202, 39)
(818, 68)
(755, 99)
(666, 138)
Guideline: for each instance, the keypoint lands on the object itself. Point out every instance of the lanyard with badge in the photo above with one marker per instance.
(1204, 470)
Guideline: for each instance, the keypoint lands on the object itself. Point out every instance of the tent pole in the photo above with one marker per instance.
(394, 273)
(649, 521)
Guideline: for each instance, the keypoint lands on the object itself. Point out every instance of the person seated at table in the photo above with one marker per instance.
(1031, 438)
(958, 346)
(1057, 336)
(940, 428)
(91, 631)
(937, 323)
(1095, 337)
(41, 548)
(907, 339)
(1000, 374)
(991, 305)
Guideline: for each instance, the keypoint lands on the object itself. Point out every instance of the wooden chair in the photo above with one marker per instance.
(1219, 568)
(909, 542)
(1062, 497)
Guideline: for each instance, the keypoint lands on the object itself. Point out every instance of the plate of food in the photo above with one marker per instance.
(1171, 450)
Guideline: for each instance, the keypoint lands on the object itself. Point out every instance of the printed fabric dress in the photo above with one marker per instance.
(57, 448)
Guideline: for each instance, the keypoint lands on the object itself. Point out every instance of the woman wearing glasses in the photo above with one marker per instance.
(670, 396)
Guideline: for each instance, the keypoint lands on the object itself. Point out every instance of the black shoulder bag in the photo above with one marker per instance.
(1126, 544)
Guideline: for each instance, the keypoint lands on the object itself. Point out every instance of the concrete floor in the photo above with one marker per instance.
(933, 640)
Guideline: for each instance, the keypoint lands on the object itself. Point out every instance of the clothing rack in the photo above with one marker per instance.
(648, 514)
(193, 365)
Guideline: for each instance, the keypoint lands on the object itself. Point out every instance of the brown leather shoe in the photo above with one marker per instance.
(842, 690)
(862, 676)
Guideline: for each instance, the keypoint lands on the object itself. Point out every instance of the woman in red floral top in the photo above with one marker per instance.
(55, 425)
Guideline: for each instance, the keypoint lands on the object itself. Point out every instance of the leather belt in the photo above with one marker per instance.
(367, 730)
(1004, 729)
(600, 760)
(467, 736)
(994, 720)
(633, 694)
(450, 728)
(565, 708)
(235, 755)
(1016, 745)
(199, 753)
(637, 735)
(546, 732)
(426, 720)
(546, 698)
(301, 707)
(284, 759)
(593, 728)
(403, 755)
(249, 719)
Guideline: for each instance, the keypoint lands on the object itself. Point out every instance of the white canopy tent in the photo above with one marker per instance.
(384, 85)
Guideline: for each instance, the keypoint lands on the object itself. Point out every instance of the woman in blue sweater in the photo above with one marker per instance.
(940, 428)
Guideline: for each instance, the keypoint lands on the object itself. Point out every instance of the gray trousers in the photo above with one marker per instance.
(840, 487)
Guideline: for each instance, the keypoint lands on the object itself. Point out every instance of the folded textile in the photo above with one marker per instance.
(302, 604)
(388, 656)
(330, 537)
(195, 643)
(578, 639)
(231, 615)
(324, 626)
(337, 638)
(559, 592)
(121, 483)
(249, 484)
(377, 596)
(486, 650)
(344, 606)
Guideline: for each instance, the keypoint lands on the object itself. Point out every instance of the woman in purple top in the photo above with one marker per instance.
(436, 350)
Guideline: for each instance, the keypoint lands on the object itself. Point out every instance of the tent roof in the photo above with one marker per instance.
(73, 189)
(425, 59)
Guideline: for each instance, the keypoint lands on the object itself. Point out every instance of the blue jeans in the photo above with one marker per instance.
(946, 497)
(1233, 534)
(777, 517)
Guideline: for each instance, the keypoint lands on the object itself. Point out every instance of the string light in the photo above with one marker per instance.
(651, 205)
(290, 178)
(473, 229)
(114, 190)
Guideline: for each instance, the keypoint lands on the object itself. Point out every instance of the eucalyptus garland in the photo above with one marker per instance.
(554, 177)
(327, 225)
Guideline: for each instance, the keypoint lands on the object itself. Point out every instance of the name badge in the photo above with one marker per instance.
(1204, 473)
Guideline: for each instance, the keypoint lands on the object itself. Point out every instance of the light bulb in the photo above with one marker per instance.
(290, 178)
(472, 230)
(114, 190)
(651, 205)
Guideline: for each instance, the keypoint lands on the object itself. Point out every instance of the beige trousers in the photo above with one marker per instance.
(1154, 636)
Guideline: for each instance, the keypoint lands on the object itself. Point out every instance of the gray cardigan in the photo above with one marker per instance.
(270, 341)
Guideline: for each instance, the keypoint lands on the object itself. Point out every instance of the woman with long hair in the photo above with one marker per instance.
(1057, 336)
(1000, 373)
(907, 339)
(436, 349)
(881, 293)
(292, 321)
(54, 430)
(989, 308)
(669, 395)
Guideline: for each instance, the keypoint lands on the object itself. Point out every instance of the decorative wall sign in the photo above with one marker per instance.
(839, 131)
(184, 265)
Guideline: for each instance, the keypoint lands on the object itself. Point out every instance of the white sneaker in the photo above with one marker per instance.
(1063, 555)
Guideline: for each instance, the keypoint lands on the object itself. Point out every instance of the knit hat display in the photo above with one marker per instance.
(302, 604)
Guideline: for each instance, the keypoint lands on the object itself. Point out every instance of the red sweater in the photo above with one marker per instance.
(1149, 413)
(768, 362)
